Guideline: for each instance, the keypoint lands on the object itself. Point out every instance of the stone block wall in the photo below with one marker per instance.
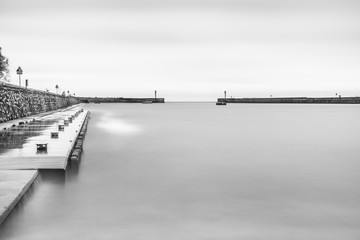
(17, 102)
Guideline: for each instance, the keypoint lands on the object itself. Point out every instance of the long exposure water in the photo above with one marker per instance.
(200, 171)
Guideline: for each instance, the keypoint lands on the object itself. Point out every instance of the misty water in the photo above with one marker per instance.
(201, 171)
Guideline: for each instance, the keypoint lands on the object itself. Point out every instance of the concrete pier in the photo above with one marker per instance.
(13, 186)
(20, 157)
(22, 152)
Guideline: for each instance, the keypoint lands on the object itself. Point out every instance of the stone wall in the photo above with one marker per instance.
(17, 102)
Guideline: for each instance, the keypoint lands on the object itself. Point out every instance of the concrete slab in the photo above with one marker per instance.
(18, 146)
(13, 185)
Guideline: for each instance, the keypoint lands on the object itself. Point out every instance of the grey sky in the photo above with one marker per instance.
(187, 50)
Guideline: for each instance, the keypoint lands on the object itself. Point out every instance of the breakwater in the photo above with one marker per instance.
(17, 102)
(120, 100)
(328, 100)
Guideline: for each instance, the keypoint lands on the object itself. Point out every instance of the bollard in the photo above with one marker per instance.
(54, 135)
(41, 147)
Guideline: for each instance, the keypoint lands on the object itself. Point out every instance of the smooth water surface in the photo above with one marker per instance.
(201, 171)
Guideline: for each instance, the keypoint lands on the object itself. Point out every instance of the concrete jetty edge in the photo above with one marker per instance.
(20, 188)
(75, 139)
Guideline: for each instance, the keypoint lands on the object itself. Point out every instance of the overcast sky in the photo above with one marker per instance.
(185, 49)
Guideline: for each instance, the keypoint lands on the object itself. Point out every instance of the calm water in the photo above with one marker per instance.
(200, 171)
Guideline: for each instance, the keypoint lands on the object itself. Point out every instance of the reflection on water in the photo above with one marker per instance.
(72, 169)
(54, 176)
(200, 171)
(114, 125)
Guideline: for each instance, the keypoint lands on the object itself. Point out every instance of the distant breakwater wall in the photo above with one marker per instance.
(120, 100)
(335, 100)
(17, 102)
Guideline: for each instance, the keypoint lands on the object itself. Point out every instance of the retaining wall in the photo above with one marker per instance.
(17, 102)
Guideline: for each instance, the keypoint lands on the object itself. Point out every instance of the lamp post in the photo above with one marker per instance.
(57, 88)
(19, 71)
(155, 94)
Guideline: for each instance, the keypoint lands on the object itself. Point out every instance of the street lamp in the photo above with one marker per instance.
(19, 71)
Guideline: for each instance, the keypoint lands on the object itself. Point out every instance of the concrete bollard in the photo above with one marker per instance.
(54, 135)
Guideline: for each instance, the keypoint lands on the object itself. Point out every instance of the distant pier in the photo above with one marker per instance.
(302, 100)
(119, 100)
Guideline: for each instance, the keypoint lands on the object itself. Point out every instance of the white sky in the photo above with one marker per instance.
(185, 49)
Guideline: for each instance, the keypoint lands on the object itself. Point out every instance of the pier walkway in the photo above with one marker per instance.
(19, 157)
(18, 144)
